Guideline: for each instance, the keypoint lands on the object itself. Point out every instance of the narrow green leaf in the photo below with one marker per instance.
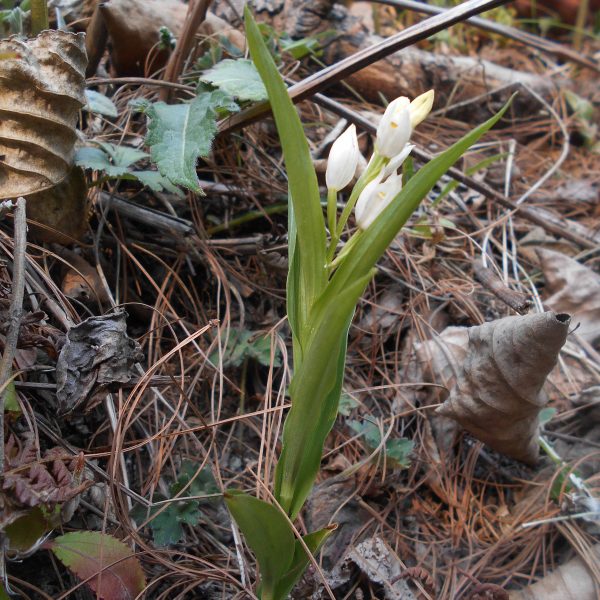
(376, 238)
(315, 392)
(239, 78)
(300, 561)
(268, 534)
(302, 180)
(397, 450)
(293, 286)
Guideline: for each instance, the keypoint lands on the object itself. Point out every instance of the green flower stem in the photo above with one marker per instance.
(39, 16)
(577, 482)
(331, 215)
(334, 264)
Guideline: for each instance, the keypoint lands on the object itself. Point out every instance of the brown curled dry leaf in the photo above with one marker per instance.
(41, 93)
(97, 354)
(497, 395)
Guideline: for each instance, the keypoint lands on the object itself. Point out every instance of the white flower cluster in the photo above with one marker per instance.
(391, 149)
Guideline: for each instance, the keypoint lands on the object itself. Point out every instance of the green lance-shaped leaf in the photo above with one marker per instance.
(315, 392)
(380, 234)
(300, 561)
(302, 180)
(269, 535)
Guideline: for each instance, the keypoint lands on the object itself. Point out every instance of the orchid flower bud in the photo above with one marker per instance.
(343, 160)
(394, 128)
(420, 107)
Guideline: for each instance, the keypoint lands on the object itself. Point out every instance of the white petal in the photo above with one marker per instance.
(394, 130)
(397, 161)
(343, 159)
(364, 200)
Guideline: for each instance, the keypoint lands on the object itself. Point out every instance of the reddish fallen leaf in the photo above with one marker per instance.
(115, 572)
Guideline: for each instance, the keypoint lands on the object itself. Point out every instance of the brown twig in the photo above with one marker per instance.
(516, 300)
(15, 312)
(367, 56)
(522, 37)
(194, 18)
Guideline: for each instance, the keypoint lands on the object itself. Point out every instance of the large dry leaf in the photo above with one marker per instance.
(41, 92)
(497, 395)
(571, 581)
(133, 27)
(574, 289)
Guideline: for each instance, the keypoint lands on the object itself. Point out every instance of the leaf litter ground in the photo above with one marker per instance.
(418, 512)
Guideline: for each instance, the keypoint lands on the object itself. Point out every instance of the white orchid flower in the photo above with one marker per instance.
(378, 194)
(343, 160)
(399, 119)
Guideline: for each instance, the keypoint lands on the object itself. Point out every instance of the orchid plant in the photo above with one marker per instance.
(324, 285)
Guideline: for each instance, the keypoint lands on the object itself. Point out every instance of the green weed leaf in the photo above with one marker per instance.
(115, 161)
(243, 344)
(99, 103)
(167, 526)
(167, 523)
(397, 450)
(179, 134)
(24, 532)
(238, 78)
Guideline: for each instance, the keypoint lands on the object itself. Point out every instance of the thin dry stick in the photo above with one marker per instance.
(194, 18)
(12, 336)
(522, 37)
(363, 58)
(15, 311)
